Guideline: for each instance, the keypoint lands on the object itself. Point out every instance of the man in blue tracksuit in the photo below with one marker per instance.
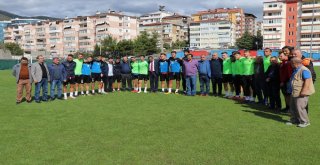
(174, 71)
(164, 70)
(86, 74)
(96, 74)
(58, 76)
(204, 75)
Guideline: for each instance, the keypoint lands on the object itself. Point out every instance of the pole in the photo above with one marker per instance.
(311, 42)
(161, 9)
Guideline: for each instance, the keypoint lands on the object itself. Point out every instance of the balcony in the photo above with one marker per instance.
(311, 6)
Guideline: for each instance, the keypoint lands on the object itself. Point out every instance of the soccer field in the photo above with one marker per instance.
(129, 128)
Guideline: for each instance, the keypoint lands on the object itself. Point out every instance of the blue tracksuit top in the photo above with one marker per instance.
(86, 69)
(96, 67)
(175, 65)
(163, 66)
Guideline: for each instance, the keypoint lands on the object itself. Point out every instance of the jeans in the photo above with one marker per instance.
(204, 81)
(44, 85)
(56, 84)
(191, 84)
(154, 81)
(126, 79)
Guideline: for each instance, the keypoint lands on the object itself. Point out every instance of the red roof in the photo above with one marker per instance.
(199, 53)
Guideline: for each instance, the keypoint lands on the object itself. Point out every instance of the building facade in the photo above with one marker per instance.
(234, 15)
(292, 23)
(72, 35)
(250, 23)
(212, 34)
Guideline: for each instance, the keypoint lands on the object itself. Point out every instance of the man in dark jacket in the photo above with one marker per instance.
(117, 72)
(58, 76)
(104, 75)
(216, 74)
(69, 66)
(153, 74)
(126, 78)
(273, 82)
(185, 58)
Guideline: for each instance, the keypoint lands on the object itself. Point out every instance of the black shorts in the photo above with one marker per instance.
(175, 76)
(135, 76)
(77, 79)
(164, 77)
(96, 77)
(117, 78)
(85, 79)
(143, 77)
(70, 80)
(227, 78)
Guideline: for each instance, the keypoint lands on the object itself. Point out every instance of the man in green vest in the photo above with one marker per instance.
(238, 72)
(227, 75)
(78, 72)
(248, 71)
(143, 73)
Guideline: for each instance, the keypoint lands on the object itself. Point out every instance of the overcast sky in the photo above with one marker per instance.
(72, 8)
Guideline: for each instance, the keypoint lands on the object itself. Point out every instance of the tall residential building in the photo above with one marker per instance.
(234, 15)
(15, 22)
(154, 17)
(71, 35)
(171, 27)
(289, 22)
(250, 23)
(213, 33)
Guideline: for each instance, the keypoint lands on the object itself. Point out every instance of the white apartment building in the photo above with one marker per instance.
(214, 34)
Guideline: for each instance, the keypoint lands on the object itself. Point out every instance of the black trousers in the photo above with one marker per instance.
(237, 84)
(247, 84)
(126, 79)
(154, 81)
(258, 88)
(107, 81)
(184, 85)
(216, 82)
(274, 94)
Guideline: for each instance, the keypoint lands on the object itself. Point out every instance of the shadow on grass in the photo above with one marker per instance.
(262, 111)
(267, 115)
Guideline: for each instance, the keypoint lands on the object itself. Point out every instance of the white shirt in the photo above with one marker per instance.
(110, 72)
(151, 64)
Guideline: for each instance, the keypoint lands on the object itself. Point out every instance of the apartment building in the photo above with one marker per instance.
(170, 32)
(213, 34)
(250, 23)
(154, 17)
(71, 35)
(292, 23)
(233, 15)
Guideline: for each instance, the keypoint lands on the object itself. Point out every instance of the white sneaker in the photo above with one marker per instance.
(139, 92)
(103, 92)
(303, 125)
(289, 123)
(72, 97)
(65, 98)
(145, 91)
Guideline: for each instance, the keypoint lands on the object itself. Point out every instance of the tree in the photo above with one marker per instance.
(246, 41)
(125, 47)
(258, 40)
(108, 45)
(14, 48)
(146, 44)
(166, 46)
(179, 44)
(96, 51)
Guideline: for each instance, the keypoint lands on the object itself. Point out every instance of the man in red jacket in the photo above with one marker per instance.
(285, 74)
